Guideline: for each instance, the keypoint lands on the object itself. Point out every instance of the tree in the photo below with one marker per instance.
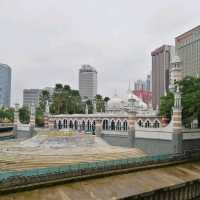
(190, 89)
(106, 99)
(39, 117)
(24, 115)
(166, 104)
(66, 100)
(6, 114)
(190, 94)
(100, 103)
(44, 97)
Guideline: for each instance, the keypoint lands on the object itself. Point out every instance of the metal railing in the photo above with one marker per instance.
(90, 167)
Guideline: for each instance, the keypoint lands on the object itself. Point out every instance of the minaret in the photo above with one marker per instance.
(46, 115)
(177, 111)
(86, 109)
(32, 117)
(177, 122)
(175, 73)
(16, 117)
(94, 107)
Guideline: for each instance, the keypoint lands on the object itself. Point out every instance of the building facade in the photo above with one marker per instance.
(188, 49)
(31, 96)
(139, 85)
(161, 59)
(5, 85)
(87, 82)
(148, 83)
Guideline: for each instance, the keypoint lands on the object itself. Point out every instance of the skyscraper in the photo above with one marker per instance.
(139, 85)
(31, 96)
(161, 59)
(148, 83)
(87, 82)
(188, 49)
(5, 85)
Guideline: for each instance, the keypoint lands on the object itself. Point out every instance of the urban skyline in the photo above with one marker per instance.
(49, 44)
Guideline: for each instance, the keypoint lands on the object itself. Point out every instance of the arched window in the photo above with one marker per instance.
(71, 124)
(55, 124)
(59, 124)
(118, 126)
(125, 126)
(140, 123)
(83, 125)
(112, 125)
(93, 126)
(147, 124)
(65, 123)
(105, 124)
(76, 125)
(88, 126)
(156, 124)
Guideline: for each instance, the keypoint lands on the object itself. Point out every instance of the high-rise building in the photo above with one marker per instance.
(161, 59)
(5, 85)
(188, 49)
(148, 83)
(139, 85)
(31, 96)
(87, 82)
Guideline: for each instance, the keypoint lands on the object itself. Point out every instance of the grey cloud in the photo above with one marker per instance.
(46, 41)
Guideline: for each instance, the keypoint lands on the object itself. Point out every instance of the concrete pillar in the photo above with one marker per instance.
(131, 130)
(98, 131)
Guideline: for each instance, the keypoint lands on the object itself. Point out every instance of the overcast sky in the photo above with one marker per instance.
(46, 41)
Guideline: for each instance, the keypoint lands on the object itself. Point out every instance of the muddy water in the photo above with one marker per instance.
(114, 187)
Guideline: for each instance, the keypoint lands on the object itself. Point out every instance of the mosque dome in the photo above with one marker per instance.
(115, 103)
(133, 99)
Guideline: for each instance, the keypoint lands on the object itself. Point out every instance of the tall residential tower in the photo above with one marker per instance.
(87, 82)
(5, 85)
(161, 59)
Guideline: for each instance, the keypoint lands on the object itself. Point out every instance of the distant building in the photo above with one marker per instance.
(87, 82)
(5, 85)
(188, 49)
(148, 83)
(161, 59)
(31, 96)
(139, 85)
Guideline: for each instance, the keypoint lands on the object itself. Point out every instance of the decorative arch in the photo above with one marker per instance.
(93, 126)
(147, 124)
(156, 124)
(83, 125)
(59, 124)
(89, 127)
(125, 125)
(71, 126)
(76, 125)
(105, 124)
(55, 124)
(112, 125)
(64, 123)
(118, 125)
(140, 123)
